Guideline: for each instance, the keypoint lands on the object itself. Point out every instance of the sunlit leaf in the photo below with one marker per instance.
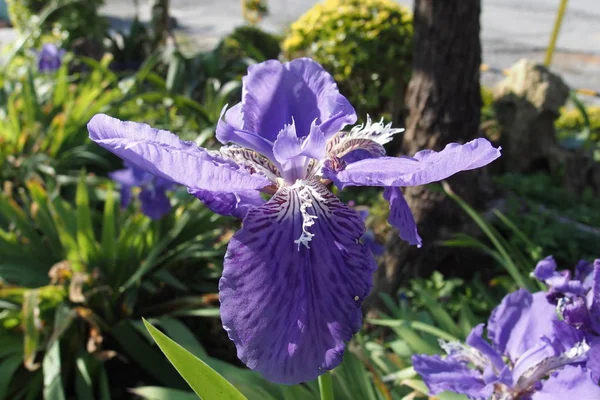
(205, 382)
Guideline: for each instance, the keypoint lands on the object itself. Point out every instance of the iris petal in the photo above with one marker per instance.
(155, 203)
(452, 375)
(289, 308)
(234, 204)
(520, 321)
(274, 93)
(401, 216)
(569, 382)
(425, 167)
(229, 130)
(163, 154)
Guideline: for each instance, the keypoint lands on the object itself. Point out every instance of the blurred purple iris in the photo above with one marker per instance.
(532, 352)
(296, 273)
(50, 58)
(577, 301)
(153, 197)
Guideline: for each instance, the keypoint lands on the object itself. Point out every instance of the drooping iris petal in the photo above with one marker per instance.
(287, 306)
(155, 203)
(425, 167)
(571, 382)
(401, 216)
(520, 321)
(163, 154)
(232, 204)
(448, 374)
(274, 93)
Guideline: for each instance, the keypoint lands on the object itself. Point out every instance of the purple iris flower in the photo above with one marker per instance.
(531, 354)
(296, 273)
(577, 301)
(50, 58)
(153, 197)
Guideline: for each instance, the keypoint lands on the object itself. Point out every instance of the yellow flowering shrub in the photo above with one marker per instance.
(365, 44)
(571, 120)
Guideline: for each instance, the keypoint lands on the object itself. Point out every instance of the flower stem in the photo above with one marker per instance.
(326, 386)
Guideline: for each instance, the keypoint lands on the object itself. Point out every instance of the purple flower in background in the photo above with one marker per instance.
(153, 196)
(577, 301)
(528, 356)
(296, 273)
(50, 58)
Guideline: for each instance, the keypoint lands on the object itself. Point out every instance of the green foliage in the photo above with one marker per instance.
(76, 18)
(44, 129)
(254, 10)
(249, 42)
(81, 274)
(205, 382)
(558, 221)
(365, 44)
(44, 133)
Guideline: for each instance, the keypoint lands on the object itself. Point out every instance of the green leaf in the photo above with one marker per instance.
(53, 388)
(437, 311)
(353, 379)
(31, 327)
(109, 231)
(8, 367)
(179, 332)
(85, 230)
(83, 380)
(161, 393)
(146, 356)
(103, 385)
(205, 382)
(416, 325)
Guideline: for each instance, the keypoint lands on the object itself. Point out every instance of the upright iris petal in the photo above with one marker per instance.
(296, 273)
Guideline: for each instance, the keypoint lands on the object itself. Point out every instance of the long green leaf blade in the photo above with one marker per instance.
(205, 382)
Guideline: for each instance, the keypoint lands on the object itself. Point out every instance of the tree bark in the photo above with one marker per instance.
(444, 102)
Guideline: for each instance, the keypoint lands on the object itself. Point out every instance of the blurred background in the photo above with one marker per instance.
(80, 266)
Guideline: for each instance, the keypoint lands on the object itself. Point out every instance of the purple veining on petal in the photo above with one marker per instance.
(290, 316)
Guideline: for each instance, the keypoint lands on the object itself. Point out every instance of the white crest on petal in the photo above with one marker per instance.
(375, 131)
(369, 136)
(306, 195)
(461, 351)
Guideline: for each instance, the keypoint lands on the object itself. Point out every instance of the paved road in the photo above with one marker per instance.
(511, 29)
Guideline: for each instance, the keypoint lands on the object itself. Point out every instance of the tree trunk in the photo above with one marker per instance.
(444, 103)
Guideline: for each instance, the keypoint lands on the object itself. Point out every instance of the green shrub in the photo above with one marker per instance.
(251, 42)
(365, 44)
(79, 19)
